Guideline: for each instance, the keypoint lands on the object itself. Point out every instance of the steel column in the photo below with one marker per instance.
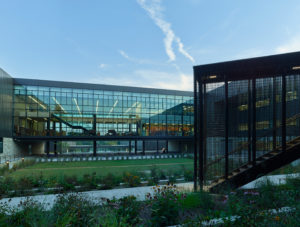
(167, 146)
(249, 121)
(94, 147)
(166, 122)
(129, 146)
(48, 134)
(135, 147)
(94, 124)
(274, 113)
(54, 142)
(182, 132)
(226, 128)
(60, 128)
(283, 120)
(143, 147)
(200, 134)
(195, 130)
(204, 127)
(253, 121)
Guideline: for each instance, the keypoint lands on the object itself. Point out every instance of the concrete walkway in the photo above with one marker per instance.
(139, 192)
(275, 179)
(95, 196)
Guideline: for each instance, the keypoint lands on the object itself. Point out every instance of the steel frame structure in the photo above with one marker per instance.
(275, 67)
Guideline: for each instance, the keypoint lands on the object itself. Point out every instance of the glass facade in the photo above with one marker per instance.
(74, 111)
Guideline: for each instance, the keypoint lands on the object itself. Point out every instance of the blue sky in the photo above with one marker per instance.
(148, 43)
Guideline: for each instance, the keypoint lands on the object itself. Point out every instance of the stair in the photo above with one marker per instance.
(90, 132)
(264, 165)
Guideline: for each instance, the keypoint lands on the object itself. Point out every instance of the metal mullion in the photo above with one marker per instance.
(249, 121)
(200, 134)
(195, 130)
(254, 121)
(226, 128)
(274, 114)
(283, 134)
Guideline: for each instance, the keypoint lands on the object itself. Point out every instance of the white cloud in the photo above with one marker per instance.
(150, 79)
(124, 54)
(140, 61)
(182, 82)
(290, 46)
(102, 66)
(154, 10)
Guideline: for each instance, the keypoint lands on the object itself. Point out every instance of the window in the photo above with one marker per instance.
(243, 127)
(259, 104)
(262, 103)
(243, 107)
(262, 125)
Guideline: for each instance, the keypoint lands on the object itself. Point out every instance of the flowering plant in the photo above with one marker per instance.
(165, 205)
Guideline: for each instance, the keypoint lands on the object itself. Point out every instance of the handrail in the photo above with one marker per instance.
(70, 125)
(295, 117)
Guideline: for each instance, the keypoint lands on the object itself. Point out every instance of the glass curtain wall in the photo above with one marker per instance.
(54, 111)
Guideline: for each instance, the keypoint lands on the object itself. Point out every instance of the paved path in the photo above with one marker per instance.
(275, 179)
(139, 192)
(48, 200)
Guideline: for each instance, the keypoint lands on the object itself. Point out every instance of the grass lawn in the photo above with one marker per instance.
(102, 168)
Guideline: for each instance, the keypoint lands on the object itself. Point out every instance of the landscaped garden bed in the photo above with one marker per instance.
(82, 176)
(166, 206)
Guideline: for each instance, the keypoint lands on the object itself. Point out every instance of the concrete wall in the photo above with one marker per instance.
(13, 148)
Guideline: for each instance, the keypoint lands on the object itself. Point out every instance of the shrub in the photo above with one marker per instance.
(71, 179)
(73, 210)
(154, 177)
(131, 180)
(172, 179)
(66, 186)
(162, 175)
(6, 184)
(109, 181)
(30, 213)
(40, 181)
(25, 183)
(201, 200)
(4, 169)
(164, 205)
(188, 174)
(142, 175)
(52, 182)
(270, 196)
(109, 218)
(90, 180)
(127, 210)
